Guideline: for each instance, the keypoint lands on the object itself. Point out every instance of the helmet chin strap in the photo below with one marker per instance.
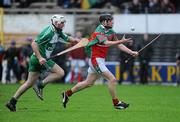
(107, 27)
(57, 29)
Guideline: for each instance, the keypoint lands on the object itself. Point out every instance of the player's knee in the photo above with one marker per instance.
(89, 84)
(112, 80)
(28, 84)
(61, 73)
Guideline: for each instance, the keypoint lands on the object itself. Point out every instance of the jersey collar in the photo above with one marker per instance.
(103, 28)
(53, 28)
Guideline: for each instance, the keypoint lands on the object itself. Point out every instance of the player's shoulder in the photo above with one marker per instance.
(48, 30)
(100, 28)
(111, 30)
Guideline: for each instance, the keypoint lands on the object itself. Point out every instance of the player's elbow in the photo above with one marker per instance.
(120, 46)
(33, 44)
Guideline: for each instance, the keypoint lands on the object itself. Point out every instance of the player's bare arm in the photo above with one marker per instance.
(122, 41)
(123, 48)
(35, 48)
(127, 50)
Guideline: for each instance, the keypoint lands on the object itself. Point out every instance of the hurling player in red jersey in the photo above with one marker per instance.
(99, 42)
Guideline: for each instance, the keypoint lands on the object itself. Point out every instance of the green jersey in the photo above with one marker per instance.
(47, 40)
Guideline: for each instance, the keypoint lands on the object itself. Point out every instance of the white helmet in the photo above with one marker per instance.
(57, 19)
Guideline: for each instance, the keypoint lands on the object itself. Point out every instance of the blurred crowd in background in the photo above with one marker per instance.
(122, 6)
(16, 59)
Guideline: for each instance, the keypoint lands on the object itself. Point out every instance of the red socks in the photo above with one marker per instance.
(115, 101)
(69, 92)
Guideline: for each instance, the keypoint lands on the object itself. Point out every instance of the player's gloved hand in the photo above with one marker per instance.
(42, 60)
(134, 53)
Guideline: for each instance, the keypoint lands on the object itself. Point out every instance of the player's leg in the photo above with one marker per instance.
(111, 83)
(112, 90)
(91, 78)
(56, 72)
(100, 67)
(103, 70)
(32, 77)
(88, 82)
(95, 68)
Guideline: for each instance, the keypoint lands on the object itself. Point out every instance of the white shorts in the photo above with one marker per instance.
(98, 66)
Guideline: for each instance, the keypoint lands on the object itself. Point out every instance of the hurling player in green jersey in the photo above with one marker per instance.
(99, 42)
(43, 46)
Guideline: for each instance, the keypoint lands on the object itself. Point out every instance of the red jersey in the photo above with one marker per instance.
(96, 46)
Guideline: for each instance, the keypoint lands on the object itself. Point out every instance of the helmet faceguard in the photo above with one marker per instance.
(57, 19)
(105, 18)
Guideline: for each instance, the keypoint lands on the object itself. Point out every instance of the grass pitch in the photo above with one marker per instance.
(147, 104)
